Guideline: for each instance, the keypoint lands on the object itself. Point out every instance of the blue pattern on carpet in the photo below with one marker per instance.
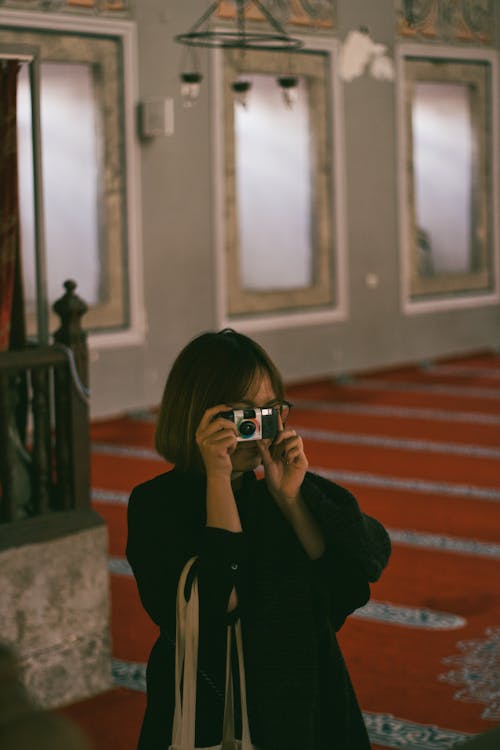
(477, 668)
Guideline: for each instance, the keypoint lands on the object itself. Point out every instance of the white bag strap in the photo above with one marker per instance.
(228, 722)
(245, 730)
(186, 663)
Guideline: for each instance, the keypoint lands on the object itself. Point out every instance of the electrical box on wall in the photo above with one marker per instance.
(156, 117)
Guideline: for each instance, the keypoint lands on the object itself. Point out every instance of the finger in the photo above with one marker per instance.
(221, 436)
(279, 431)
(264, 450)
(215, 432)
(213, 423)
(281, 448)
(292, 452)
(219, 441)
(210, 413)
(284, 435)
(219, 424)
(294, 455)
(277, 450)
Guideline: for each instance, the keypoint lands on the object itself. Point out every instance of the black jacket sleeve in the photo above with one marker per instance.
(166, 527)
(357, 547)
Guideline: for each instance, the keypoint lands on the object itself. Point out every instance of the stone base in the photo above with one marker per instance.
(55, 614)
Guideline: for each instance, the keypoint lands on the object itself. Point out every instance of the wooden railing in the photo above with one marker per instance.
(44, 429)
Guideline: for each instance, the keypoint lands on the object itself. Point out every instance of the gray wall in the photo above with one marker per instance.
(179, 276)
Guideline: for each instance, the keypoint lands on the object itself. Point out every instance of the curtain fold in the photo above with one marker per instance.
(12, 327)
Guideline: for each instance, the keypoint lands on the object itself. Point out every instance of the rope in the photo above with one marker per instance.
(81, 389)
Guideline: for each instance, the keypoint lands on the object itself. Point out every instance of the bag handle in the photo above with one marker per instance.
(186, 662)
(246, 743)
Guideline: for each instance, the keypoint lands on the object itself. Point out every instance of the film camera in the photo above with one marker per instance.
(254, 423)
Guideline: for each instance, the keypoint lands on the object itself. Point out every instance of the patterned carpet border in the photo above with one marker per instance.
(461, 370)
(330, 436)
(464, 391)
(389, 731)
(409, 617)
(422, 486)
(414, 485)
(444, 543)
(411, 445)
(115, 497)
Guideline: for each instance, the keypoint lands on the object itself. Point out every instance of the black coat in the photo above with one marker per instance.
(299, 693)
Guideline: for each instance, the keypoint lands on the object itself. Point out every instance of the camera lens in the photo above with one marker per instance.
(246, 428)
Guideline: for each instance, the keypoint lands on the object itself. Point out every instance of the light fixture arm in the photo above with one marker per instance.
(240, 16)
(267, 15)
(276, 38)
(206, 15)
(239, 38)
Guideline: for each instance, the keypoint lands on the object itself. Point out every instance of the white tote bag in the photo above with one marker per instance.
(186, 664)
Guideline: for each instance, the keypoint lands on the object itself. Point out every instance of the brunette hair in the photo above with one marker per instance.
(214, 368)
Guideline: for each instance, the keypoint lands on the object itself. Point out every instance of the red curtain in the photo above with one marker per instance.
(11, 300)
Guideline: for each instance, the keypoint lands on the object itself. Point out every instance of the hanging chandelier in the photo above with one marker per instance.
(240, 38)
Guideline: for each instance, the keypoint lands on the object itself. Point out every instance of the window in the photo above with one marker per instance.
(273, 158)
(88, 158)
(280, 240)
(448, 228)
(72, 175)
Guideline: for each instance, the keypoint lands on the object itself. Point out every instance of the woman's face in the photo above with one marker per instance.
(246, 457)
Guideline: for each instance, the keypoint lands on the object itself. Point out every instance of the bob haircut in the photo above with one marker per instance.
(214, 368)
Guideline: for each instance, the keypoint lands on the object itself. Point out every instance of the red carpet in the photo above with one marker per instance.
(420, 448)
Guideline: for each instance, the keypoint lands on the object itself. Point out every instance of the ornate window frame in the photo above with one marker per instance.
(123, 241)
(446, 291)
(334, 265)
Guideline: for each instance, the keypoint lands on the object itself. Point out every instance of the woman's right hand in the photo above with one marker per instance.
(216, 440)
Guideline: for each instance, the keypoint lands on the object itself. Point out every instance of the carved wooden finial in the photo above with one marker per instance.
(70, 308)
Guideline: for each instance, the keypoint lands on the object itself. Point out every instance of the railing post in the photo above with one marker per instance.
(15, 469)
(7, 504)
(70, 309)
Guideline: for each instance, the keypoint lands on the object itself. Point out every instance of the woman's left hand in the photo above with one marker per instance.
(285, 465)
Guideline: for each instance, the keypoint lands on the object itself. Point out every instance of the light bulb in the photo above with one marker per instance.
(240, 91)
(190, 88)
(289, 90)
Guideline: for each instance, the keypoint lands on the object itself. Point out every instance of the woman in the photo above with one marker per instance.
(291, 555)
